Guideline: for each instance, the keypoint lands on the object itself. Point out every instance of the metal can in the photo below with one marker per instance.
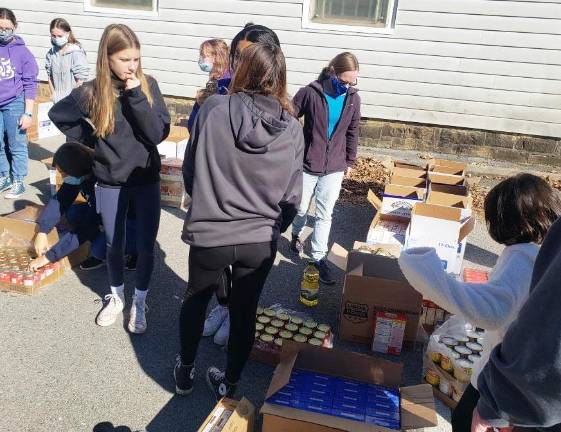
(432, 378)
(311, 324)
(463, 370)
(259, 311)
(306, 331)
(278, 342)
(259, 327)
(315, 342)
(472, 336)
(270, 313)
(464, 352)
(319, 335)
(285, 334)
(291, 328)
(475, 347)
(283, 317)
(462, 340)
(450, 342)
(324, 328)
(435, 356)
(300, 338)
(277, 323)
(263, 320)
(474, 358)
(266, 338)
(271, 330)
(28, 280)
(296, 320)
(444, 387)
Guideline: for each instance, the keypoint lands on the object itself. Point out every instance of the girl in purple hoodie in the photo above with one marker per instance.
(18, 87)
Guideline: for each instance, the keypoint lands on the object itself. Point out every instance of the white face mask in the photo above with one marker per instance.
(59, 41)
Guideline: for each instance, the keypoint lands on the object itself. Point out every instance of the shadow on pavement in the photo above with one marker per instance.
(480, 256)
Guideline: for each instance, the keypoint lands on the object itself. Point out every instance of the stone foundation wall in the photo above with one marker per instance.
(510, 147)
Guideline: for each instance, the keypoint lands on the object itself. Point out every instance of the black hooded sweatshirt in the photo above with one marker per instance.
(243, 170)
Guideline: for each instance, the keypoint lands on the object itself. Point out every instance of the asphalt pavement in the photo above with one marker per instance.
(61, 372)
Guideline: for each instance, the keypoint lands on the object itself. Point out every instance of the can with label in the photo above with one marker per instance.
(432, 378)
(463, 370)
(444, 387)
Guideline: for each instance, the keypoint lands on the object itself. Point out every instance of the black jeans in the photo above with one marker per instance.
(113, 205)
(251, 264)
(462, 415)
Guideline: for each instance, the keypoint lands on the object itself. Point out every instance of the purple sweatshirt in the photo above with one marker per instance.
(18, 71)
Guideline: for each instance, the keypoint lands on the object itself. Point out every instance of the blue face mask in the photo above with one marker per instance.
(6, 35)
(59, 41)
(73, 181)
(205, 66)
(338, 87)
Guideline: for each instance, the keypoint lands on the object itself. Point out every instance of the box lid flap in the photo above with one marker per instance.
(467, 228)
(244, 410)
(282, 373)
(374, 200)
(338, 256)
(437, 211)
(404, 191)
(447, 179)
(418, 407)
(451, 200)
(408, 181)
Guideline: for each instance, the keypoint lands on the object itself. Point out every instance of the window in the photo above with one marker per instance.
(123, 6)
(358, 15)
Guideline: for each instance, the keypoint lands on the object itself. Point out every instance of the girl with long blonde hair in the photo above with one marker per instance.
(122, 115)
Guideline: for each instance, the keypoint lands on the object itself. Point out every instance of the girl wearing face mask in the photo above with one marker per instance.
(331, 106)
(66, 63)
(213, 59)
(122, 115)
(18, 88)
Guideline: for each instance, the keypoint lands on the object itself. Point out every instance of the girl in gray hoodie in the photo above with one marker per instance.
(66, 63)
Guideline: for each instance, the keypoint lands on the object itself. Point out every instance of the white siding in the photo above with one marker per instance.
(489, 64)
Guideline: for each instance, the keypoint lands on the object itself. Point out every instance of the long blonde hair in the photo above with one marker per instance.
(115, 38)
(218, 48)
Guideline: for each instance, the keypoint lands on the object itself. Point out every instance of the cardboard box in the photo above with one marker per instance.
(461, 190)
(445, 166)
(374, 283)
(385, 228)
(448, 179)
(33, 130)
(405, 169)
(175, 144)
(230, 416)
(398, 201)
(451, 200)
(409, 181)
(171, 184)
(443, 228)
(417, 402)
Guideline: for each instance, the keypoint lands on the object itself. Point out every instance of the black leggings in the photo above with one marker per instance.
(251, 264)
(463, 413)
(113, 204)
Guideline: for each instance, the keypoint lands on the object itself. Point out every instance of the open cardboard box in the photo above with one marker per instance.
(447, 179)
(175, 144)
(445, 166)
(385, 228)
(417, 402)
(451, 200)
(409, 181)
(443, 228)
(405, 169)
(373, 283)
(461, 190)
(398, 201)
(241, 419)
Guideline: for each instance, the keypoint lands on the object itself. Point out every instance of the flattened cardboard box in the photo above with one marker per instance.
(374, 283)
(241, 419)
(417, 402)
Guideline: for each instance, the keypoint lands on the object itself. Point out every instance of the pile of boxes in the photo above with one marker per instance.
(426, 206)
(42, 126)
(172, 151)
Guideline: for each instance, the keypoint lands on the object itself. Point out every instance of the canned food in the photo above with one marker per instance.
(432, 378)
(472, 336)
(475, 347)
(324, 328)
(263, 319)
(283, 317)
(315, 342)
(291, 328)
(300, 338)
(319, 335)
(463, 370)
(444, 387)
(277, 323)
(28, 279)
(285, 334)
(311, 324)
(450, 342)
(259, 327)
(474, 358)
(464, 352)
(259, 310)
(266, 338)
(278, 342)
(456, 394)
(257, 334)
(270, 313)
(296, 320)
(446, 363)
(435, 356)
(306, 331)
(271, 330)
(462, 340)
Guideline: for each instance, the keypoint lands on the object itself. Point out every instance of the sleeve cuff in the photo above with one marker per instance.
(489, 415)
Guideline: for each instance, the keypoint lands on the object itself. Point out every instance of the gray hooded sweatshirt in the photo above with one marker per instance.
(521, 383)
(243, 170)
(64, 69)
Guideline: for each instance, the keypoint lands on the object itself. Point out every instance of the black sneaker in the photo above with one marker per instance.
(220, 388)
(324, 272)
(92, 263)
(184, 376)
(130, 262)
(296, 245)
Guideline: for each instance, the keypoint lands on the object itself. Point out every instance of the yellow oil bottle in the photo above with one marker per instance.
(309, 289)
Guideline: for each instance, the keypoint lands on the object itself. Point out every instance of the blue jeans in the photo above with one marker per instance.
(98, 246)
(13, 140)
(326, 189)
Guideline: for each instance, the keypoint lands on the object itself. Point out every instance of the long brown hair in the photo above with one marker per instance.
(62, 24)
(217, 48)
(115, 38)
(262, 70)
(344, 62)
(8, 14)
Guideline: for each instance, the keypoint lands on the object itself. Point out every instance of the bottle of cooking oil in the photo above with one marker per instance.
(309, 289)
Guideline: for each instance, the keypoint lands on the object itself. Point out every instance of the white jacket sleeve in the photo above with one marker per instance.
(487, 305)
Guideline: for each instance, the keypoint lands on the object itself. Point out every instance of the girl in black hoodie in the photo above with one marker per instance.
(122, 115)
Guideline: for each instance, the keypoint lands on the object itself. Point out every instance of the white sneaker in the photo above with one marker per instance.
(223, 333)
(137, 321)
(214, 320)
(113, 306)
